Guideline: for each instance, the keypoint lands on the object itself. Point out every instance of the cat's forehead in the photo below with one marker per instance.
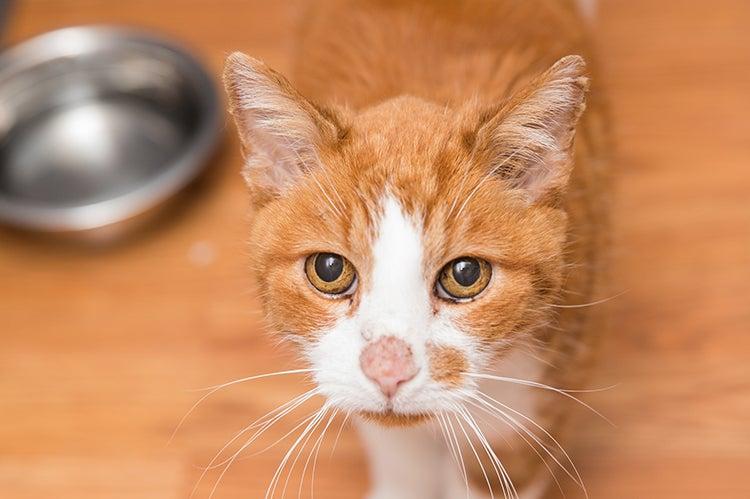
(405, 125)
(409, 153)
(405, 149)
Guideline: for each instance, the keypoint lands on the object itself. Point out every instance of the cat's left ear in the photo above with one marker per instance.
(528, 142)
(282, 133)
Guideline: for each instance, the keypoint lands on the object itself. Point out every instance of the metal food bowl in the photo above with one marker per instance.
(99, 125)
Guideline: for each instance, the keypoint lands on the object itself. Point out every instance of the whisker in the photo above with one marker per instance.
(264, 425)
(276, 476)
(455, 449)
(213, 389)
(297, 427)
(530, 352)
(281, 411)
(564, 393)
(590, 304)
(502, 473)
(448, 442)
(577, 478)
(460, 454)
(309, 421)
(296, 458)
(299, 424)
(476, 454)
(481, 442)
(338, 435)
(231, 460)
(488, 423)
(523, 437)
(316, 450)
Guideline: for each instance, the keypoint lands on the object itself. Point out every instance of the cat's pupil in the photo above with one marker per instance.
(329, 266)
(466, 271)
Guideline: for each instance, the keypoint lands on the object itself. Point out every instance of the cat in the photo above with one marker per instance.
(428, 232)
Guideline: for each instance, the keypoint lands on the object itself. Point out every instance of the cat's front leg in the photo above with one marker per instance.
(405, 463)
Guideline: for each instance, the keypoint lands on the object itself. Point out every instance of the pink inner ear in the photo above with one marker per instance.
(280, 128)
(269, 163)
(542, 176)
(531, 140)
(281, 139)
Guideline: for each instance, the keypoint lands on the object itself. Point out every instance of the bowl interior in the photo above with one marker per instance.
(95, 123)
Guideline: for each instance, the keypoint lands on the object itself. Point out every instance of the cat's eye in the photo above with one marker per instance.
(463, 278)
(330, 273)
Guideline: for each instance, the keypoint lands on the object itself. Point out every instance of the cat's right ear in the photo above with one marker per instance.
(528, 142)
(281, 131)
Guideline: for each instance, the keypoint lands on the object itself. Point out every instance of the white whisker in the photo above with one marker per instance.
(281, 412)
(590, 304)
(284, 437)
(300, 450)
(448, 442)
(216, 388)
(244, 446)
(316, 450)
(460, 454)
(274, 480)
(564, 393)
(577, 478)
(495, 414)
(338, 435)
(476, 455)
(264, 425)
(502, 473)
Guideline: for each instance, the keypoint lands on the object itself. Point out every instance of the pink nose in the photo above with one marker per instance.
(389, 363)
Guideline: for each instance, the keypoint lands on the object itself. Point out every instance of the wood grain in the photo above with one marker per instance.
(99, 345)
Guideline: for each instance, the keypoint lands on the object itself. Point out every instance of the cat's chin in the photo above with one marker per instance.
(395, 419)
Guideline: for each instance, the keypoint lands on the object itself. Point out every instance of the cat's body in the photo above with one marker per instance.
(434, 136)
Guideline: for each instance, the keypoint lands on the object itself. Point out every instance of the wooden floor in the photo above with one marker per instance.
(98, 347)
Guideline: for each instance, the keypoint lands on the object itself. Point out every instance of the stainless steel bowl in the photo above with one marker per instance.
(99, 125)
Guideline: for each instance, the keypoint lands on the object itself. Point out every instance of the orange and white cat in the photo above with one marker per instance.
(427, 215)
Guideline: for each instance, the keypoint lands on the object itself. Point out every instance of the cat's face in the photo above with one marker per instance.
(405, 246)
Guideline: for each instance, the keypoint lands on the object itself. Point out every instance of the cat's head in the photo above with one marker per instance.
(405, 246)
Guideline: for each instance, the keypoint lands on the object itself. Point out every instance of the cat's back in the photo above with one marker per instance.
(362, 52)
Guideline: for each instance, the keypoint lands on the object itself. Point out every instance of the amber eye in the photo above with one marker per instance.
(330, 273)
(463, 278)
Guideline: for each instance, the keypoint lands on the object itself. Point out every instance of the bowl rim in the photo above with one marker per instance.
(171, 179)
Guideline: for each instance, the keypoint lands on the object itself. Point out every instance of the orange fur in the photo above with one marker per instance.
(395, 420)
(447, 365)
(423, 99)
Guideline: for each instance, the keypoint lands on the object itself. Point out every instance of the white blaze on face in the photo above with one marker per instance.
(397, 300)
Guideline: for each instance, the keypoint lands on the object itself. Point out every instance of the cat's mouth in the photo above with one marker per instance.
(391, 418)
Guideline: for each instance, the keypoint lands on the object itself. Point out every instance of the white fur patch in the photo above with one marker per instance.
(396, 301)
